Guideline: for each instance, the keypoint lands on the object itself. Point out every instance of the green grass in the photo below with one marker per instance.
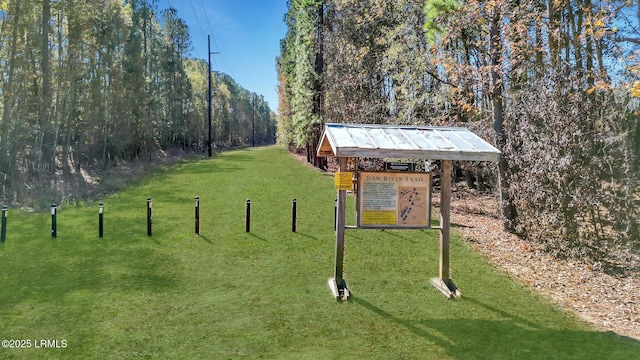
(227, 294)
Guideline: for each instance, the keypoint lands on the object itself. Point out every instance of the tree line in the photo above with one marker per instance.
(92, 83)
(554, 84)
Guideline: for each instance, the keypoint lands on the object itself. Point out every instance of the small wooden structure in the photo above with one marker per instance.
(402, 142)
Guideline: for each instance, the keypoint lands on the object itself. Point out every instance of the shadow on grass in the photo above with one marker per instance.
(205, 239)
(110, 269)
(226, 163)
(404, 234)
(508, 336)
(393, 233)
(257, 237)
(306, 235)
(199, 169)
(410, 234)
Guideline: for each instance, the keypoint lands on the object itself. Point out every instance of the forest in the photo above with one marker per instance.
(90, 84)
(553, 84)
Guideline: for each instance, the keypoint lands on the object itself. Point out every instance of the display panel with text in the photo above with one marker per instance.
(391, 199)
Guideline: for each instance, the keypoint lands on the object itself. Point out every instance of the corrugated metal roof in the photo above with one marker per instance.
(413, 142)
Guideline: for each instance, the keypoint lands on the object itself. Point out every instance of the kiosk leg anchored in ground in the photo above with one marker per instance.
(337, 284)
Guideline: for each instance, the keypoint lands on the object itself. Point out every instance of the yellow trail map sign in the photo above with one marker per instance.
(342, 180)
(387, 199)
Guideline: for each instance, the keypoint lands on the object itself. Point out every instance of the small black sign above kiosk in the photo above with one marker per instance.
(399, 166)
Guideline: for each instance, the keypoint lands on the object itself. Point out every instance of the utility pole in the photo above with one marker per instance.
(253, 121)
(209, 95)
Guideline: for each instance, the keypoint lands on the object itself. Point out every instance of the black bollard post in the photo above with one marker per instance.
(335, 214)
(149, 217)
(54, 225)
(247, 226)
(100, 220)
(3, 232)
(294, 211)
(197, 215)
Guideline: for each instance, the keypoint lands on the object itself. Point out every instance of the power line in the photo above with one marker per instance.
(217, 48)
(228, 67)
(194, 12)
(170, 4)
(204, 11)
(196, 51)
(197, 20)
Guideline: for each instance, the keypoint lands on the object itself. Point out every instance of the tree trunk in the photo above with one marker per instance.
(506, 205)
(318, 92)
(554, 53)
(8, 95)
(45, 110)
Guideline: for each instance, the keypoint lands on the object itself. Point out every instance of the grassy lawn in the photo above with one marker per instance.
(229, 294)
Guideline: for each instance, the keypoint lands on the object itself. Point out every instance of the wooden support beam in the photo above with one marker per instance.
(445, 217)
(444, 283)
(337, 284)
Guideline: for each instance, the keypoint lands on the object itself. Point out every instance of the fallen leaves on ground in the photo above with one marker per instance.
(610, 303)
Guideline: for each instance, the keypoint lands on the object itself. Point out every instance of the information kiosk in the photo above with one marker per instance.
(398, 199)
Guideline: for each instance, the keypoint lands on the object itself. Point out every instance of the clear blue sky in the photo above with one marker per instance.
(246, 33)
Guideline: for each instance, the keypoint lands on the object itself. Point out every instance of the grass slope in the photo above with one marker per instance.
(227, 294)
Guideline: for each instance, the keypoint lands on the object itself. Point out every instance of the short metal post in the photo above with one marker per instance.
(247, 226)
(149, 217)
(3, 232)
(335, 215)
(197, 215)
(54, 225)
(293, 215)
(100, 220)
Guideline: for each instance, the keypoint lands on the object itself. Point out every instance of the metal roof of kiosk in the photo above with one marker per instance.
(413, 142)
(402, 142)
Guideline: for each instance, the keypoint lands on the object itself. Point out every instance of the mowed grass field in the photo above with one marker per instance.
(229, 294)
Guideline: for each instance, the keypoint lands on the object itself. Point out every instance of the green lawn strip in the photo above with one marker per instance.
(230, 294)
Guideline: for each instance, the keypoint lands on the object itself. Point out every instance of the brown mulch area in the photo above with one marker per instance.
(610, 303)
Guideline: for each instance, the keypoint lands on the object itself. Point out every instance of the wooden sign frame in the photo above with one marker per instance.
(394, 200)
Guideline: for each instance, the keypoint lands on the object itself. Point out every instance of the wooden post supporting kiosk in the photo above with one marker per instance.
(444, 282)
(337, 284)
(446, 144)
